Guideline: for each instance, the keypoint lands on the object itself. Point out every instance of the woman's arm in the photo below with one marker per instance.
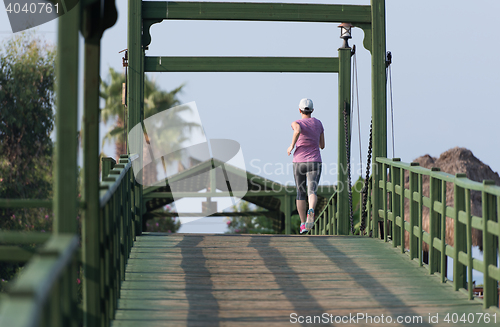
(322, 141)
(296, 133)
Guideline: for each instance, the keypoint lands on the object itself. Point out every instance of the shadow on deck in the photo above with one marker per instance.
(245, 280)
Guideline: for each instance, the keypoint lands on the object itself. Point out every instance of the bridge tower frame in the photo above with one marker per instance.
(370, 18)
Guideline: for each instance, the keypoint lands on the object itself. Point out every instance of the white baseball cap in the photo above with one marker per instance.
(306, 105)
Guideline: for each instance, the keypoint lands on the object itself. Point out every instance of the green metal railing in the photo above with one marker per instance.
(44, 294)
(392, 216)
(117, 230)
(326, 220)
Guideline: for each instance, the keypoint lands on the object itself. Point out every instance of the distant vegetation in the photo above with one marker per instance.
(27, 81)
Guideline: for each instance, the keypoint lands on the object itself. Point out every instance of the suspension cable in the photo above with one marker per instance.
(355, 96)
(389, 79)
(364, 210)
(348, 155)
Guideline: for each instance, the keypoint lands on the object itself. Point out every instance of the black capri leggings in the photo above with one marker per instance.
(307, 176)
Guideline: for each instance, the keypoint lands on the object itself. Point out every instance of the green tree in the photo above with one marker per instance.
(27, 76)
(257, 224)
(173, 128)
(171, 132)
(27, 79)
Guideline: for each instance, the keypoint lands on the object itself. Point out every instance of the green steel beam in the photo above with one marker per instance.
(90, 223)
(379, 111)
(18, 238)
(241, 64)
(65, 168)
(288, 214)
(135, 90)
(344, 102)
(134, 63)
(217, 214)
(321, 13)
(12, 253)
(39, 283)
(325, 191)
(25, 203)
(166, 195)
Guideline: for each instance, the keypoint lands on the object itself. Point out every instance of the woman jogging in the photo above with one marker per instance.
(308, 138)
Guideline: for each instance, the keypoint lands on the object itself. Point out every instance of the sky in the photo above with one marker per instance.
(445, 78)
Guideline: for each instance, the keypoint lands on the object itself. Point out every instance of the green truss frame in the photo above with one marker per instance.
(370, 18)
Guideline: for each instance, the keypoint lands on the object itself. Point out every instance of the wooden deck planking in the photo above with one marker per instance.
(226, 280)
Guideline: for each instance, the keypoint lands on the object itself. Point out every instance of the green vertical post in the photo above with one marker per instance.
(333, 214)
(344, 104)
(443, 232)
(90, 226)
(106, 166)
(470, 285)
(459, 237)
(135, 90)
(402, 210)
(420, 216)
(379, 112)
(434, 222)
(490, 244)
(384, 201)
(288, 214)
(396, 203)
(65, 170)
(413, 245)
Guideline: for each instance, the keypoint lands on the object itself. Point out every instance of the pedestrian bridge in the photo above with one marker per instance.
(155, 279)
(400, 269)
(272, 280)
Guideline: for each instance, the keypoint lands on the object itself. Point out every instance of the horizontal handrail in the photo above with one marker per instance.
(117, 227)
(321, 13)
(31, 203)
(26, 203)
(394, 195)
(325, 222)
(32, 289)
(15, 237)
(460, 181)
(118, 173)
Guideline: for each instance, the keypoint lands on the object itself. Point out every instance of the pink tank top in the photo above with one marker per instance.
(307, 146)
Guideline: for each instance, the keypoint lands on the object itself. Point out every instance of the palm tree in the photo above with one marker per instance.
(173, 129)
(112, 92)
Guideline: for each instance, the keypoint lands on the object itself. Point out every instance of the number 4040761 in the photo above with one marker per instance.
(32, 8)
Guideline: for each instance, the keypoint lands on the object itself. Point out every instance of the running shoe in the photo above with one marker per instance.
(303, 228)
(310, 217)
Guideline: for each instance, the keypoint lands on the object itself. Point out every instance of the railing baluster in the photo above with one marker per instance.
(459, 237)
(396, 204)
(490, 285)
(470, 286)
(420, 218)
(383, 230)
(443, 232)
(413, 213)
(333, 215)
(369, 221)
(463, 261)
(434, 222)
(402, 210)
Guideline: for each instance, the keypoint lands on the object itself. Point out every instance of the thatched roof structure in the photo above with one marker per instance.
(454, 161)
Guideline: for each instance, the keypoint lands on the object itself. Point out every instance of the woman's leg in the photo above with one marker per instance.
(313, 176)
(302, 209)
(299, 173)
(313, 199)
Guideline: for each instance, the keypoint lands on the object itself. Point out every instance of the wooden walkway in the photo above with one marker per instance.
(248, 280)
